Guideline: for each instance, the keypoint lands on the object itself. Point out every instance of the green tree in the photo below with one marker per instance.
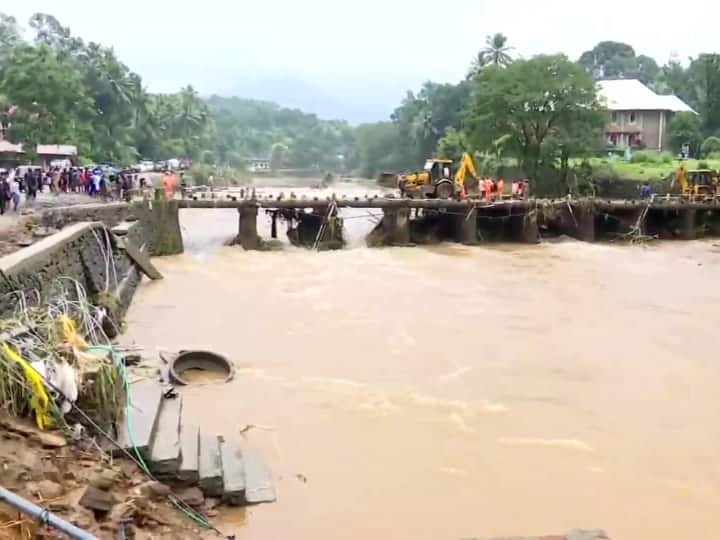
(452, 145)
(495, 53)
(277, 156)
(609, 59)
(377, 148)
(47, 96)
(541, 104)
(673, 79)
(711, 145)
(704, 94)
(685, 128)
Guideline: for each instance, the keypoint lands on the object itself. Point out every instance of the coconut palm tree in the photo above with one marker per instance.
(495, 53)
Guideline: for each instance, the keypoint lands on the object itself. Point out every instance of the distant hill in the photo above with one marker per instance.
(296, 94)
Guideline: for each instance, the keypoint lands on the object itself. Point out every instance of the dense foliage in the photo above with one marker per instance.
(539, 112)
(57, 89)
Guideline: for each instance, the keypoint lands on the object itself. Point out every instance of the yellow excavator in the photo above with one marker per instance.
(438, 179)
(697, 181)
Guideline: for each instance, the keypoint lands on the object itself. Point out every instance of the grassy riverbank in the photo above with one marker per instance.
(646, 166)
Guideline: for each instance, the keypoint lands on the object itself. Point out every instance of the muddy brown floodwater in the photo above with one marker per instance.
(452, 392)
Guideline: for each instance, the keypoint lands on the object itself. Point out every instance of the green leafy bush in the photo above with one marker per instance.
(710, 145)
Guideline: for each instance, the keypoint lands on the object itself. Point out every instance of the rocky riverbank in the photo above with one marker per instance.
(86, 487)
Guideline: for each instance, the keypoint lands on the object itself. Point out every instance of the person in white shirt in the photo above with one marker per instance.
(14, 194)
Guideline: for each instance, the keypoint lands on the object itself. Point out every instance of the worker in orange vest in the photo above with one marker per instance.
(489, 185)
(500, 189)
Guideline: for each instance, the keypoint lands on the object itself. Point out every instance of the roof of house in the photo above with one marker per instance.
(42, 149)
(632, 95)
(57, 149)
(7, 146)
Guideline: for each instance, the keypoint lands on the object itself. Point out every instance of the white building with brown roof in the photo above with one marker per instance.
(639, 117)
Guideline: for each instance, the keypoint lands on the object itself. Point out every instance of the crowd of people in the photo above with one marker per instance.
(93, 181)
(491, 189)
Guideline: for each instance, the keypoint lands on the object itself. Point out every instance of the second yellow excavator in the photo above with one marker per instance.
(438, 179)
(697, 181)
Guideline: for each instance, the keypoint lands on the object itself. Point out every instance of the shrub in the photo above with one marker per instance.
(703, 165)
(710, 145)
(647, 156)
(667, 157)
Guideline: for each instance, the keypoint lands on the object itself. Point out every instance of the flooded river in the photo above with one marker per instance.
(450, 392)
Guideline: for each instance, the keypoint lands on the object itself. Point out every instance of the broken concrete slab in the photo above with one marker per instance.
(209, 466)
(145, 398)
(189, 453)
(140, 259)
(98, 500)
(165, 452)
(233, 473)
(259, 486)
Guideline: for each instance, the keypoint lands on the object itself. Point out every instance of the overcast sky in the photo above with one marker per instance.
(362, 49)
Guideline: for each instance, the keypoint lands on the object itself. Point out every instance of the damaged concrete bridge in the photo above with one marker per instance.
(317, 222)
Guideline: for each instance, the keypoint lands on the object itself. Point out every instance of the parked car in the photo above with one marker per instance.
(144, 166)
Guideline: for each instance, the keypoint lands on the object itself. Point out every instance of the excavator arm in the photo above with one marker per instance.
(681, 180)
(466, 167)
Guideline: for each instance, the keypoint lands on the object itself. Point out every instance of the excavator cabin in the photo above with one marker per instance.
(439, 179)
(697, 181)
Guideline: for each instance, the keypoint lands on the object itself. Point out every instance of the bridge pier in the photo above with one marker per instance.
(393, 229)
(584, 222)
(160, 220)
(687, 224)
(320, 229)
(247, 228)
(467, 228)
(524, 227)
(396, 222)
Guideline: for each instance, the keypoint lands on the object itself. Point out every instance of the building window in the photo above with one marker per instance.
(633, 117)
(614, 117)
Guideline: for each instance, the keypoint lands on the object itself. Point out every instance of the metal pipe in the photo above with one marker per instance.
(43, 515)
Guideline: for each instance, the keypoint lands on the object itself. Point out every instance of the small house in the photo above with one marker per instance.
(639, 118)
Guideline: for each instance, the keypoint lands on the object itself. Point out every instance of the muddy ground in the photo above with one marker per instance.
(54, 473)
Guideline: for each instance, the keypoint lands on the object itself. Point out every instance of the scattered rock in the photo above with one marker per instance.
(192, 497)
(41, 232)
(212, 502)
(46, 489)
(154, 490)
(83, 518)
(62, 505)
(104, 479)
(16, 426)
(212, 513)
(49, 440)
(97, 500)
(122, 511)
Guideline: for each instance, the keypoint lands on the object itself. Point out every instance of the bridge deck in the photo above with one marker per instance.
(270, 202)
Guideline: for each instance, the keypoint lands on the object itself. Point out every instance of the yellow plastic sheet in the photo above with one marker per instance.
(70, 333)
(40, 401)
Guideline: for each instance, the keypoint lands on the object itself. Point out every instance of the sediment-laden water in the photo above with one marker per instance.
(452, 392)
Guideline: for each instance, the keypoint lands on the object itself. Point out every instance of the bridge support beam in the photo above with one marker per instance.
(466, 227)
(247, 229)
(584, 215)
(160, 220)
(396, 223)
(687, 224)
(524, 227)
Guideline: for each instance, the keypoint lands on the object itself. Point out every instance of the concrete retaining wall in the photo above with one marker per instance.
(110, 214)
(86, 252)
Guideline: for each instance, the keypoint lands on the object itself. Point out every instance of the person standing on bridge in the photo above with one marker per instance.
(500, 189)
(170, 184)
(489, 185)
